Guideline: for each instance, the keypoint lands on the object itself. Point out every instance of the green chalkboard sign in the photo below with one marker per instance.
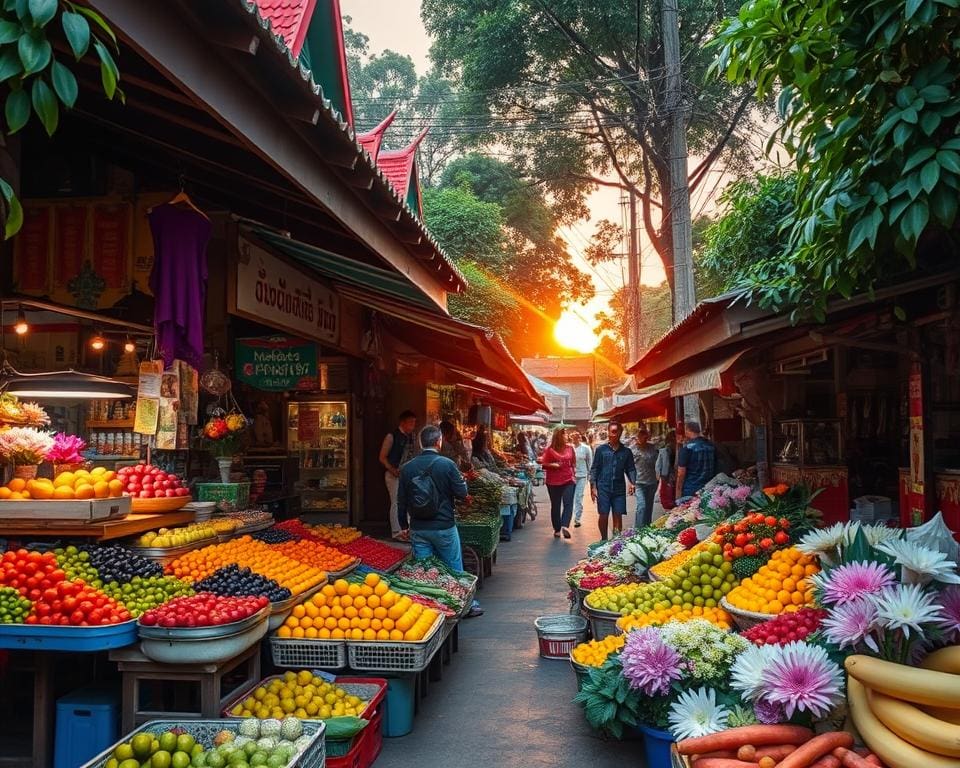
(277, 363)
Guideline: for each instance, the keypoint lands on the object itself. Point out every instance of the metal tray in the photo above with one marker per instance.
(213, 650)
(202, 633)
(172, 552)
(21, 637)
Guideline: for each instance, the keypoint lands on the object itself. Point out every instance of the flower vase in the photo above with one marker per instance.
(225, 463)
(25, 471)
(656, 746)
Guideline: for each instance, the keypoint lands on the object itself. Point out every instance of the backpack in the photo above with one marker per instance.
(423, 495)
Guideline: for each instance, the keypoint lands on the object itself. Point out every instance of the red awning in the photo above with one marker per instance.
(717, 376)
(646, 406)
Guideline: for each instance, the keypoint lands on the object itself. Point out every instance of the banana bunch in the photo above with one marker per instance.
(908, 716)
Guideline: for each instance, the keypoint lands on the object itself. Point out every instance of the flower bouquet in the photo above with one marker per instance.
(24, 448)
(66, 453)
(222, 433)
(16, 412)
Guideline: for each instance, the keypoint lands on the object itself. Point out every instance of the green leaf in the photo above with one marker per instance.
(890, 76)
(911, 8)
(64, 83)
(9, 32)
(919, 156)
(10, 65)
(943, 205)
(915, 220)
(77, 30)
(935, 94)
(14, 212)
(108, 69)
(42, 11)
(900, 314)
(34, 51)
(17, 110)
(97, 19)
(45, 105)
(930, 175)
(929, 122)
(949, 160)
(902, 134)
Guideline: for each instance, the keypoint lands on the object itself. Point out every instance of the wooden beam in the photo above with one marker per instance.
(238, 38)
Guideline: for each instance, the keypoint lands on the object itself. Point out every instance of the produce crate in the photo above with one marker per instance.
(384, 656)
(36, 637)
(204, 731)
(602, 623)
(370, 689)
(281, 609)
(308, 654)
(332, 575)
(481, 534)
(84, 510)
(236, 495)
(558, 634)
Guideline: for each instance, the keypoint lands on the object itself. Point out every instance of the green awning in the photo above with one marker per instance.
(345, 270)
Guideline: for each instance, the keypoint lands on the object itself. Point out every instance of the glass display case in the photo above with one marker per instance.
(318, 434)
(808, 442)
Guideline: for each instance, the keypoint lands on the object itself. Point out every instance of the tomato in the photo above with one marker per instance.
(750, 550)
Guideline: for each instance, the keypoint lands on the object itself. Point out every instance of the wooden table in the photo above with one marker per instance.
(101, 530)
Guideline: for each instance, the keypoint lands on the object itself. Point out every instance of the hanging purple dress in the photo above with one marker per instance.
(179, 281)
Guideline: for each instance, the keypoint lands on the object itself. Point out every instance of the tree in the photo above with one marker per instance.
(871, 113)
(575, 90)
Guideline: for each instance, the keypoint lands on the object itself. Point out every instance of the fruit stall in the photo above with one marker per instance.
(223, 636)
(739, 631)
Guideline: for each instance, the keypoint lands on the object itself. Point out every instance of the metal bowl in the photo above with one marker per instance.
(211, 632)
(205, 650)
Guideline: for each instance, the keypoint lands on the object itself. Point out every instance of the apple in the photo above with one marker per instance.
(145, 494)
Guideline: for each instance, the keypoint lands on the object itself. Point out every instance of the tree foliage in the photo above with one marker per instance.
(38, 39)
(871, 113)
(574, 90)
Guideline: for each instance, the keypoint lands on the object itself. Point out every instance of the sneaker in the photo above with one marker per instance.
(576, 524)
(475, 610)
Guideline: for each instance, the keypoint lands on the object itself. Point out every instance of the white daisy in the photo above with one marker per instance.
(826, 542)
(746, 674)
(906, 607)
(879, 533)
(696, 713)
(921, 565)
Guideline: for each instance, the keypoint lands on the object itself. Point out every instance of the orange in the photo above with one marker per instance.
(101, 489)
(5, 492)
(284, 631)
(336, 634)
(299, 611)
(16, 495)
(116, 487)
(306, 621)
(63, 492)
(109, 476)
(382, 634)
(64, 478)
(17, 484)
(323, 633)
(369, 634)
(298, 632)
(396, 634)
(371, 579)
(84, 491)
(341, 586)
(311, 633)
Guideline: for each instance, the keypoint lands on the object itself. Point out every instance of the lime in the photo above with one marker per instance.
(123, 752)
(168, 742)
(112, 763)
(131, 763)
(215, 760)
(199, 761)
(180, 760)
(161, 758)
(142, 745)
(185, 742)
(197, 750)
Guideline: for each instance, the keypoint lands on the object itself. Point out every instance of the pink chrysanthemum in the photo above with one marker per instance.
(949, 600)
(850, 582)
(649, 663)
(802, 678)
(852, 623)
(769, 713)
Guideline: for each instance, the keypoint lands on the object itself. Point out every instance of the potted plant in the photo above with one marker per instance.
(24, 448)
(66, 453)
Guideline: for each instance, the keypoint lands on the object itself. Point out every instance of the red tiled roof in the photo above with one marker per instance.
(289, 19)
(373, 139)
(397, 165)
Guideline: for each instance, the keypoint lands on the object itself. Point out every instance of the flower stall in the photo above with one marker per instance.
(745, 635)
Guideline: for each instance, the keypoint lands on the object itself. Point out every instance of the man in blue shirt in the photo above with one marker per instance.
(696, 461)
(612, 461)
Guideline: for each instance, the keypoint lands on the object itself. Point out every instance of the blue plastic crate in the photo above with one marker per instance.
(87, 723)
(36, 637)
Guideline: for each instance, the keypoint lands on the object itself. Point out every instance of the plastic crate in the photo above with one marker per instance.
(87, 723)
(559, 633)
(308, 654)
(205, 731)
(346, 754)
(481, 534)
(371, 690)
(381, 656)
(371, 737)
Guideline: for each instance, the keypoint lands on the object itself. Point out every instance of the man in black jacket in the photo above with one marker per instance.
(437, 533)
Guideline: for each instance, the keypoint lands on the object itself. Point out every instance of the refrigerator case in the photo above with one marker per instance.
(318, 435)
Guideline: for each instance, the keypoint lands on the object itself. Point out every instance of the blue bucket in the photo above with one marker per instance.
(656, 746)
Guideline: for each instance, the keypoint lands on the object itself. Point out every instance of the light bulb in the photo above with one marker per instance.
(97, 343)
(129, 346)
(22, 326)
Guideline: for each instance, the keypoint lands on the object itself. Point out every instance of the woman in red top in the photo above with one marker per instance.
(559, 463)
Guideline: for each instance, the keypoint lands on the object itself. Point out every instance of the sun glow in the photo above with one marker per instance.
(573, 332)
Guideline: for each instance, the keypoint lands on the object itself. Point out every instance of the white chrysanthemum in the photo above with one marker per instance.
(746, 674)
(923, 564)
(825, 540)
(696, 713)
(906, 607)
(879, 533)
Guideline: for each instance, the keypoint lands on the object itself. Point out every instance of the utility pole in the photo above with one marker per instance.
(633, 284)
(677, 113)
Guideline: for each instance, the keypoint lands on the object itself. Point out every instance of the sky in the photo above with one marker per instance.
(396, 24)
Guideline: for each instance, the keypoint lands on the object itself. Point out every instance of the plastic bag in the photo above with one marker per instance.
(935, 534)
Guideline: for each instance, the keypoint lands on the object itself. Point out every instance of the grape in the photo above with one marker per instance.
(140, 595)
(14, 608)
(233, 581)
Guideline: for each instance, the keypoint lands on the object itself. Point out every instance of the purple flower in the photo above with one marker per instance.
(851, 624)
(616, 548)
(741, 493)
(649, 664)
(769, 712)
(803, 678)
(950, 608)
(853, 581)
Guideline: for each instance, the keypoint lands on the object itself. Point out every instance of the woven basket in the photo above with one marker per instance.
(580, 670)
(745, 619)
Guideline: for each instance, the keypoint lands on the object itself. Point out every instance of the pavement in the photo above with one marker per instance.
(499, 705)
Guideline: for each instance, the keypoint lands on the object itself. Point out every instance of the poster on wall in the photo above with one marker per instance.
(110, 232)
(70, 233)
(31, 249)
(277, 363)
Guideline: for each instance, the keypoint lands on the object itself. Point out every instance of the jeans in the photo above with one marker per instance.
(578, 497)
(506, 521)
(393, 483)
(645, 493)
(561, 495)
(445, 544)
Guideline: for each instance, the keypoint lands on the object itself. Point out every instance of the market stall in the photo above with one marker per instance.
(739, 630)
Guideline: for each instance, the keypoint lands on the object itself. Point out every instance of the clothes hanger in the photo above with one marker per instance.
(183, 198)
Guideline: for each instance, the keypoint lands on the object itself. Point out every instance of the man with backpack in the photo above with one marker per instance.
(429, 486)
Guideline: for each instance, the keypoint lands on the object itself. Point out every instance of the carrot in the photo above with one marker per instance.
(734, 738)
(729, 753)
(827, 761)
(777, 752)
(872, 758)
(724, 762)
(818, 746)
(850, 759)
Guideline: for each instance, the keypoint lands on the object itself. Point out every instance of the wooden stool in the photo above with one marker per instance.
(135, 668)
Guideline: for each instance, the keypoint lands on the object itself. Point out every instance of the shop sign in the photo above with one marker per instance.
(277, 363)
(272, 292)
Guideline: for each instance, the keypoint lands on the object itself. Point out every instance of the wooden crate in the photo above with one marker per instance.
(65, 509)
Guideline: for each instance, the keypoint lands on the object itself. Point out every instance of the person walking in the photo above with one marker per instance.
(612, 461)
(584, 455)
(666, 468)
(428, 488)
(645, 461)
(696, 461)
(558, 462)
(397, 448)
